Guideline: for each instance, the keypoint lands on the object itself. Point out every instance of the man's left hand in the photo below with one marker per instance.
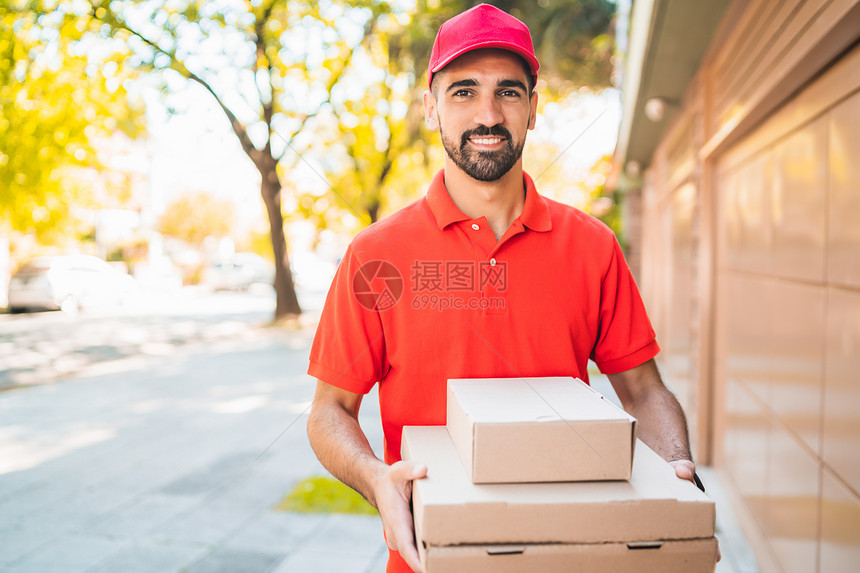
(686, 469)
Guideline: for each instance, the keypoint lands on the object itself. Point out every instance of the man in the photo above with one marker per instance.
(501, 283)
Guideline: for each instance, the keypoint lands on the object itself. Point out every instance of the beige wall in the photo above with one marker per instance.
(788, 312)
(751, 270)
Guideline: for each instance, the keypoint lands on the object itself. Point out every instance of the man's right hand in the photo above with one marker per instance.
(392, 492)
(341, 446)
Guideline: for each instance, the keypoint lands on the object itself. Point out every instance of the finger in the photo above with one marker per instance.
(407, 471)
(396, 514)
(684, 469)
(419, 471)
(410, 555)
(405, 541)
(683, 472)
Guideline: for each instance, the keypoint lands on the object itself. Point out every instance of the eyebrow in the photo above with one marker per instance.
(460, 84)
(512, 84)
(473, 83)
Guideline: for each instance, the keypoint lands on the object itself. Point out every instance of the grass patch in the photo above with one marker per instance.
(324, 495)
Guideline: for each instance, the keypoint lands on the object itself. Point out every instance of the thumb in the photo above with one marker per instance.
(409, 470)
(684, 469)
(417, 471)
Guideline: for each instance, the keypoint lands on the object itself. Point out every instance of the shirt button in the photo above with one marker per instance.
(475, 226)
(492, 262)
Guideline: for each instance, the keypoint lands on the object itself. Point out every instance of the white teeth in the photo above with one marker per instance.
(487, 140)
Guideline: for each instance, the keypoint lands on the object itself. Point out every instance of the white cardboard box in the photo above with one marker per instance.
(653, 522)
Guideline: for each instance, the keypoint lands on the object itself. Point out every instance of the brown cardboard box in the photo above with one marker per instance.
(653, 522)
(513, 430)
(688, 556)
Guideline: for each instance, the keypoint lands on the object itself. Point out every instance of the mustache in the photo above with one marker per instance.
(484, 131)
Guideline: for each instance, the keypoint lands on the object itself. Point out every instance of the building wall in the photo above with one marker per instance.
(751, 270)
(670, 275)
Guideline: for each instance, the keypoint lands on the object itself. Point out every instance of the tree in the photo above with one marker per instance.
(386, 151)
(195, 216)
(270, 65)
(574, 40)
(56, 102)
(274, 66)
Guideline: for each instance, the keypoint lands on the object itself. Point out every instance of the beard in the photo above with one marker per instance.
(484, 165)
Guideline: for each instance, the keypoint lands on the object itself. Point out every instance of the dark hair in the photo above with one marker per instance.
(530, 78)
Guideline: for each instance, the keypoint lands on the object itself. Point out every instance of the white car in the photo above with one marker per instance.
(311, 272)
(242, 271)
(68, 282)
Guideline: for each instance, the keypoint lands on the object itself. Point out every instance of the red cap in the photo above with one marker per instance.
(483, 26)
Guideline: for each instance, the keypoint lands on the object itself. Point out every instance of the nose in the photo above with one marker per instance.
(488, 112)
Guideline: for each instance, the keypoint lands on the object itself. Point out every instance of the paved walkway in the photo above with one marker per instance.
(173, 463)
(40, 347)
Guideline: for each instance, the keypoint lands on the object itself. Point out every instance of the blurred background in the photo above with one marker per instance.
(176, 140)
(178, 182)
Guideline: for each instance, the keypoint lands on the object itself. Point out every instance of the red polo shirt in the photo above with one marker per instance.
(427, 294)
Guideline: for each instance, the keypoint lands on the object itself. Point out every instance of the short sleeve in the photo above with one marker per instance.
(625, 337)
(349, 346)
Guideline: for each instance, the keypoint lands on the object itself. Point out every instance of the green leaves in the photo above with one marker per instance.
(57, 105)
(341, 78)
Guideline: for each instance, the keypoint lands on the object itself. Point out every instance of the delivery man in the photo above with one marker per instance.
(482, 277)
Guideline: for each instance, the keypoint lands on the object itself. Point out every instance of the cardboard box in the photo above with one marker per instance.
(690, 556)
(514, 430)
(652, 518)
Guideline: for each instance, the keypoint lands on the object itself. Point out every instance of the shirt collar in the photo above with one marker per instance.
(535, 215)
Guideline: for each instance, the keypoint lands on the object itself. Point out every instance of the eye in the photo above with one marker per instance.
(510, 93)
(461, 93)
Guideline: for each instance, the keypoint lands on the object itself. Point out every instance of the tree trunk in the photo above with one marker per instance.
(373, 211)
(287, 304)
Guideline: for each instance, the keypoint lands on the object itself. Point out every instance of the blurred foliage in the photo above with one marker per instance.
(604, 204)
(377, 149)
(194, 216)
(325, 495)
(385, 157)
(58, 100)
(324, 96)
(380, 155)
(271, 66)
(584, 189)
(257, 242)
(573, 39)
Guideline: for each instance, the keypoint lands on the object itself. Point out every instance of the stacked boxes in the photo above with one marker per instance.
(504, 492)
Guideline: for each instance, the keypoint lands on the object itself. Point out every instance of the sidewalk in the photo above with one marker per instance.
(41, 347)
(174, 464)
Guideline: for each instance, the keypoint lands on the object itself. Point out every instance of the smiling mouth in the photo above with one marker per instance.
(486, 140)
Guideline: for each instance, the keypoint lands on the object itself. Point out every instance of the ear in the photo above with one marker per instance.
(430, 118)
(533, 101)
